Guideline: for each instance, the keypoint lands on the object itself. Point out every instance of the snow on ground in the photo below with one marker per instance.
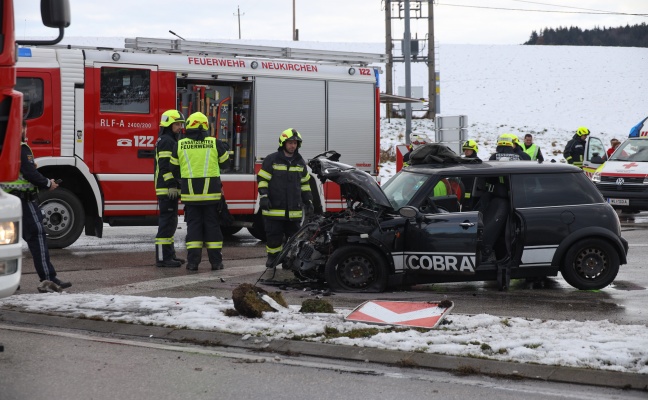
(583, 344)
(548, 91)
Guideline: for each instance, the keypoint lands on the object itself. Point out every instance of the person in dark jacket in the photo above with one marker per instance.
(508, 149)
(29, 182)
(574, 151)
(166, 189)
(284, 189)
(198, 160)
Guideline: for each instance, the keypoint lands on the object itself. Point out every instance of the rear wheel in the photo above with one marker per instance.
(591, 264)
(356, 269)
(63, 217)
(230, 230)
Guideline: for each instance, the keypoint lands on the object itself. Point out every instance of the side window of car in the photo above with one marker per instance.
(446, 195)
(546, 190)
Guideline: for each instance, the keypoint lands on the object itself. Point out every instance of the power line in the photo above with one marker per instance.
(556, 5)
(544, 11)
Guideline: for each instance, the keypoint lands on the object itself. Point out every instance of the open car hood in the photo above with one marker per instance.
(355, 185)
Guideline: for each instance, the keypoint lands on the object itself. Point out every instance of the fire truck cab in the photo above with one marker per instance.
(93, 120)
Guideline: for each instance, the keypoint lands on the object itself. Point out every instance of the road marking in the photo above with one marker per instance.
(177, 281)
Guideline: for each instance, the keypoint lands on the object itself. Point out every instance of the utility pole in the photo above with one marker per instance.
(407, 54)
(238, 13)
(295, 31)
(389, 46)
(432, 111)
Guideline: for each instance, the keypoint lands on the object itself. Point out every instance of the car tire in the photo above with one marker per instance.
(356, 269)
(63, 217)
(590, 264)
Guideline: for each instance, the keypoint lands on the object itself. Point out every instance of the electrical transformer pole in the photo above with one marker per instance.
(432, 111)
(407, 55)
(389, 66)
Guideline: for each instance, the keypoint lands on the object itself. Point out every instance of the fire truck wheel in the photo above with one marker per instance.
(258, 229)
(230, 230)
(63, 217)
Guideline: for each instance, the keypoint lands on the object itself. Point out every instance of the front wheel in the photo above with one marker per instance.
(63, 217)
(356, 269)
(590, 264)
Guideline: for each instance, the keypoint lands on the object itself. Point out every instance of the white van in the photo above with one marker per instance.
(10, 244)
(623, 178)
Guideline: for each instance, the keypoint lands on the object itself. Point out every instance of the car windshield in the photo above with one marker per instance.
(632, 150)
(402, 187)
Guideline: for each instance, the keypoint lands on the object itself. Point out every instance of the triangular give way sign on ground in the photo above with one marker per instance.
(416, 314)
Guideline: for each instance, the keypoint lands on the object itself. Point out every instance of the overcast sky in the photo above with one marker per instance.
(456, 21)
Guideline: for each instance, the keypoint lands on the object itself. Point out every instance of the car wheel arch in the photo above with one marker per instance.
(588, 233)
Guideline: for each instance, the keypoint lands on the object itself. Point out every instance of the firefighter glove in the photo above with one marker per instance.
(174, 193)
(264, 203)
(310, 209)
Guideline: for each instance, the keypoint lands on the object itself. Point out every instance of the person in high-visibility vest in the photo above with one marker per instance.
(198, 160)
(167, 189)
(26, 188)
(574, 151)
(532, 149)
(284, 190)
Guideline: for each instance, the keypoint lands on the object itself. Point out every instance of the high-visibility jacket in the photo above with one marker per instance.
(285, 181)
(164, 178)
(29, 180)
(198, 160)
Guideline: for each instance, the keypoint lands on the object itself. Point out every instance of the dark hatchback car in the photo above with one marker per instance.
(493, 221)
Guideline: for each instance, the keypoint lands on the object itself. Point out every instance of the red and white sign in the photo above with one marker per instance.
(405, 313)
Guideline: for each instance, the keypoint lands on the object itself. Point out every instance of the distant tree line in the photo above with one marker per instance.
(623, 36)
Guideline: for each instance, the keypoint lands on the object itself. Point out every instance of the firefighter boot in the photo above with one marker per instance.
(271, 259)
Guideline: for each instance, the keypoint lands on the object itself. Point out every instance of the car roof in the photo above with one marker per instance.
(494, 167)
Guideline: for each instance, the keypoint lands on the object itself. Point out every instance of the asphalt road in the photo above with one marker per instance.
(122, 262)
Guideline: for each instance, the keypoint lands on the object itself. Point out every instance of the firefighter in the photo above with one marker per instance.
(29, 182)
(575, 148)
(532, 149)
(416, 140)
(284, 188)
(166, 189)
(470, 149)
(198, 159)
(508, 149)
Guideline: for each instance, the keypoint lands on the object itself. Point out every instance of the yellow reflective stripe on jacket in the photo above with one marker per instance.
(305, 179)
(201, 197)
(295, 214)
(296, 168)
(280, 167)
(305, 188)
(168, 176)
(273, 213)
(162, 191)
(164, 154)
(264, 174)
(194, 245)
(223, 158)
(264, 184)
(164, 240)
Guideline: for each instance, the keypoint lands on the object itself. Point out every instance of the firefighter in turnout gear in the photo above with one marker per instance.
(575, 149)
(29, 182)
(167, 189)
(508, 149)
(284, 189)
(198, 159)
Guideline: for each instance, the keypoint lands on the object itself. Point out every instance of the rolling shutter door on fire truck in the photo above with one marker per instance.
(351, 123)
(289, 103)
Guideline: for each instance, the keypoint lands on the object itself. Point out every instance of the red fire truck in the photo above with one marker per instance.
(55, 14)
(93, 120)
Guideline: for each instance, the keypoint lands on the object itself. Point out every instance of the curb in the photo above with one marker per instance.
(452, 364)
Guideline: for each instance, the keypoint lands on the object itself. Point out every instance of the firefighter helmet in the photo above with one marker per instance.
(198, 121)
(470, 145)
(419, 139)
(171, 116)
(290, 134)
(582, 131)
(506, 139)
